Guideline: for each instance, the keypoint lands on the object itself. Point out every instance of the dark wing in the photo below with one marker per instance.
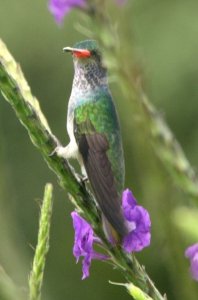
(93, 147)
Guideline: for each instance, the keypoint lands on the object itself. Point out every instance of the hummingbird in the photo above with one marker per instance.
(95, 137)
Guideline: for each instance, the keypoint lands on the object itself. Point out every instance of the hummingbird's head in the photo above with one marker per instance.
(85, 51)
(87, 63)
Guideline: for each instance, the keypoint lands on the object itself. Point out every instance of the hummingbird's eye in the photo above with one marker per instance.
(95, 54)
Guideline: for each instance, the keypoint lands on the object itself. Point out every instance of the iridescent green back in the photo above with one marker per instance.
(100, 110)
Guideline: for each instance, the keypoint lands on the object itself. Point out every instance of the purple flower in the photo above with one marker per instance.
(192, 253)
(139, 224)
(137, 220)
(83, 243)
(60, 8)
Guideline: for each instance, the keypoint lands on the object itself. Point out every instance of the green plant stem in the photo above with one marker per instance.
(168, 150)
(36, 275)
(17, 92)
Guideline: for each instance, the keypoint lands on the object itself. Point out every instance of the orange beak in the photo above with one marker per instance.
(79, 53)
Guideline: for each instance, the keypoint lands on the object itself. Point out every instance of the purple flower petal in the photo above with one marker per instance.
(137, 220)
(139, 224)
(83, 243)
(128, 202)
(60, 8)
(83, 236)
(85, 266)
(192, 253)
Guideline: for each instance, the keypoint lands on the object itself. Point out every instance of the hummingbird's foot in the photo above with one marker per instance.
(70, 151)
(54, 151)
(61, 151)
(84, 178)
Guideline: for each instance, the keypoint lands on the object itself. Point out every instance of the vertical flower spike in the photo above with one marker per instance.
(83, 243)
(192, 253)
(139, 224)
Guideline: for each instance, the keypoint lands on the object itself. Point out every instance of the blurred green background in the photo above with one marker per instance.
(164, 35)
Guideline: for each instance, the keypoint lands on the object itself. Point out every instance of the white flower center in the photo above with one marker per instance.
(131, 226)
